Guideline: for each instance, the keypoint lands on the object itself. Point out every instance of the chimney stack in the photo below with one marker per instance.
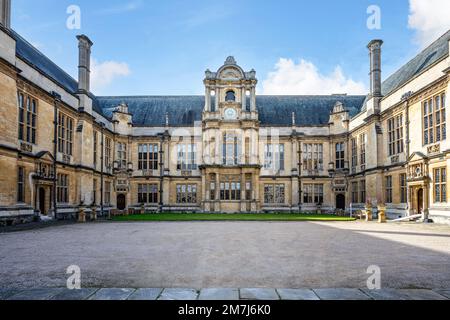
(375, 67)
(84, 65)
(5, 13)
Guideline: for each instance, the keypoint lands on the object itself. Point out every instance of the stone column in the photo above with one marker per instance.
(217, 201)
(243, 99)
(426, 196)
(253, 99)
(217, 96)
(207, 99)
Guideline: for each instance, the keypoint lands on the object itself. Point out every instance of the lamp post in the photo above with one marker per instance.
(56, 100)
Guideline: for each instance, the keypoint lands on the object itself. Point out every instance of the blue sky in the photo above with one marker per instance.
(164, 47)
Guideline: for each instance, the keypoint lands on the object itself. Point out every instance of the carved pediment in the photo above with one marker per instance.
(45, 156)
(230, 73)
(417, 157)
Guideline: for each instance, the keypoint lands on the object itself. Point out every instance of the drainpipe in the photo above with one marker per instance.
(56, 100)
(405, 98)
(161, 174)
(101, 168)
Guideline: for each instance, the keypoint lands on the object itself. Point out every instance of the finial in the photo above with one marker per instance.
(230, 61)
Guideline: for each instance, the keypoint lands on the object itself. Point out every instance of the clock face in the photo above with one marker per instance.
(230, 114)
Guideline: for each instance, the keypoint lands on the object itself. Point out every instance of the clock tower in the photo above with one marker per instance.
(230, 140)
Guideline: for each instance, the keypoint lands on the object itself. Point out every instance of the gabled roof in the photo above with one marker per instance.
(273, 110)
(435, 52)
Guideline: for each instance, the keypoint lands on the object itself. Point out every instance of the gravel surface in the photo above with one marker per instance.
(228, 255)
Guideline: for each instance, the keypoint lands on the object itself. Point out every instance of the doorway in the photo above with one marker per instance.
(42, 201)
(121, 202)
(340, 202)
(420, 201)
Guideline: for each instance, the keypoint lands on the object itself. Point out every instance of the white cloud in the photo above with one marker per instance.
(104, 73)
(430, 19)
(304, 78)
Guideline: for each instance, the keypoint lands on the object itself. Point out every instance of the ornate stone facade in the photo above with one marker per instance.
(231, 155)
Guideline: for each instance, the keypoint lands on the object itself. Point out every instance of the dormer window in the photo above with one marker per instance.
(230, 96)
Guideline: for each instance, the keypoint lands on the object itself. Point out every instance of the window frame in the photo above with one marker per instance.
(389, 189)
(187, 156)
(186, 193)
(434, 120)
(65, 134)
(21, 184)
(274, 193)
(340, 155)
(274, 156)
(27, 118)
(62, 188)
(313, 157)
(309, 193)
(148, 156)
(440, 184)
(395, 135)
(148, 193)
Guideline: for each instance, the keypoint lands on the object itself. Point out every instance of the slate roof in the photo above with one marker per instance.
(27, 52)
(273, 110)
(35, 58)
(435, 52)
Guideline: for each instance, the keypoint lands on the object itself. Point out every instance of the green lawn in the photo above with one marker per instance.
(231, 217)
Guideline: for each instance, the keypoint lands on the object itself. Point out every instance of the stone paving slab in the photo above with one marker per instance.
(223, 294)
(36, 294)
(297, 294)
(179, 294)
(386, 294)
(6, 293)
(146, 294)
(259, 294)
(112, 294)
(341, 294)
(219, 294)
(445, 293)
(81, 294)
(422, 294)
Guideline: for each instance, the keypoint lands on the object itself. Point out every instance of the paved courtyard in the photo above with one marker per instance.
(228, 255)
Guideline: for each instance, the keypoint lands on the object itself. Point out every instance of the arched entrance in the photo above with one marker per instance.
(340, 202)
(121, 202)
(42, 201)
(420, 201)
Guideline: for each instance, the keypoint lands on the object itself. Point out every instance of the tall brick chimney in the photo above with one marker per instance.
(5, 13)
(375, 67)
(84, 64)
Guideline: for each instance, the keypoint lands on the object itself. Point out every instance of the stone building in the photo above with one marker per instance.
(227, 151)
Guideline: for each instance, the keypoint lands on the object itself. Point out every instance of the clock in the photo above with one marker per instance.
(230, 114)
